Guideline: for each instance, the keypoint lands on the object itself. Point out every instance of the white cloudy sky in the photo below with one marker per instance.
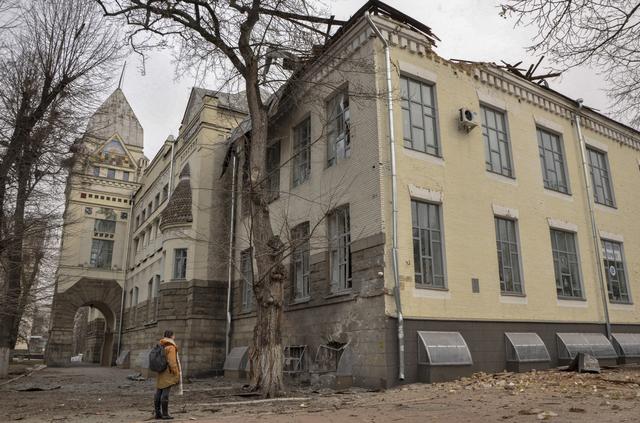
(469, 29)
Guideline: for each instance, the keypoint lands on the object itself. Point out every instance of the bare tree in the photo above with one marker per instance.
(56, 60)
(604, 34)
(258, 42)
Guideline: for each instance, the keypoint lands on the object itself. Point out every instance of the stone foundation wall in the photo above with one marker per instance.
(195, 311)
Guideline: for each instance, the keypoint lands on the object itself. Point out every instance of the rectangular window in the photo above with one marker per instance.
(496, 142)
(125, 175)
(165, 192)
(300, 261)
(150, 308)
(111, 173)
(246, 271)
(600, 179)
(180, 263)
(137, 221)
(157, 201)
(149, 209)
(340, 249)
(301, 152)
(614, 268)
(428, 257)
(273, 171)
(554, 171)
(104, 226)
(508, 256)
(101, 253)
(419, 116)
(338, 136)
(136, 293)
(566, 264)
(96, 171)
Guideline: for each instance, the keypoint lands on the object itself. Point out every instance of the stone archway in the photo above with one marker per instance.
(105, 295)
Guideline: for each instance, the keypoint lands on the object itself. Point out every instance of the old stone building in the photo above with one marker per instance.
(501, 232)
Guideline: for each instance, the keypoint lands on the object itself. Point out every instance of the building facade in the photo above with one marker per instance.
(516, 219)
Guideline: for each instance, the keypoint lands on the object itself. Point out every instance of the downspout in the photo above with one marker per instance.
(126, 268)
(231, 237)
(394, 197)
(592, 216)
(173, 143)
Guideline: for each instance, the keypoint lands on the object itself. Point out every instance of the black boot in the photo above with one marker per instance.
(156, 407)
(165, 411)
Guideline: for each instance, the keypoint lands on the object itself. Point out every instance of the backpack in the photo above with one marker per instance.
(157, 359)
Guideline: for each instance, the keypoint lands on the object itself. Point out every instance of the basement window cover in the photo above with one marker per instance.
(627, 344)
(238, 359)
(596, 344)
(443, 349)
(526, 347)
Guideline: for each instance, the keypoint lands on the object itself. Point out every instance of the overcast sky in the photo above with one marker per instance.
(469, 29)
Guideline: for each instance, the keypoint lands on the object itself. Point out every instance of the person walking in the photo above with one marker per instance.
(171, 376)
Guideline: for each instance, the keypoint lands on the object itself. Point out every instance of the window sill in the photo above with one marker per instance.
(513, 294)
(620, 303)
(555, 191)
(431, 288)
(499, 177)
(245, 312)
(300, 301)
(421, 155)
(583, 299)
(338, 294)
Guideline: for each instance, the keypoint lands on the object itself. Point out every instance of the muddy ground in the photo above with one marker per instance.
(94, 394)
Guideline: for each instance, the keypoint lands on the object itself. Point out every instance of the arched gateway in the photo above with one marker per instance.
(104, 295)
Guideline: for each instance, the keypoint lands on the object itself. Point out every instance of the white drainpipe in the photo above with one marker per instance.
(231, 236)
(592, 216)
(394, 197)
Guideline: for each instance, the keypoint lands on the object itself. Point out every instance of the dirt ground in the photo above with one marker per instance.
(94, 394)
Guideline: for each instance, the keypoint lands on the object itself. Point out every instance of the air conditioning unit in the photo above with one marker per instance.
(468, 119)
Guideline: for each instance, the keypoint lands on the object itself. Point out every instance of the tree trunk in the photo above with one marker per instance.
(4, 362)
(266, 354)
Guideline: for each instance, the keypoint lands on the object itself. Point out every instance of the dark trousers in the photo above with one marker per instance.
(161, 398)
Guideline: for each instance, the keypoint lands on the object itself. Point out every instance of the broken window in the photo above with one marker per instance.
(600, 178)
(101, 253)
(566, 264)
(496, 141)
(427, 245)
(616, 274)
(180, 263)
(273, 171)
(554, 173)
(300, 261)
(508, 256)
(246, 271)
(340, 249)
(301, 152)
(419, 116)
(338, 136)
(294, 359)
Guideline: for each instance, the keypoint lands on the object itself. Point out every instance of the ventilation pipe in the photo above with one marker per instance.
(394, 196)
(592, 217)
(126, 268)
(231, 236)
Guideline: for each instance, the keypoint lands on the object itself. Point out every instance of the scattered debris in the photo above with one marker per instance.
(136, 377)
(38, 389)
(584, 363)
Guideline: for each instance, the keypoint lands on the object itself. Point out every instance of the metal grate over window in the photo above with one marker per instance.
(627, 344)
(525, 347)
(596, 344)
(443, 349)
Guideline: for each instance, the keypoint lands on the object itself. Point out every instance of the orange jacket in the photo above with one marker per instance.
(171, 375)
